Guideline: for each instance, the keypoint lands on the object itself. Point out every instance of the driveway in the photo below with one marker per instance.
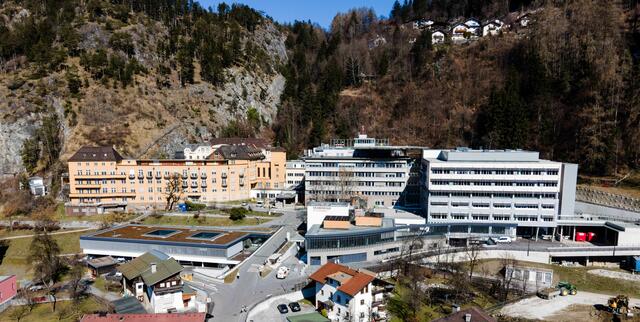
(267, 310)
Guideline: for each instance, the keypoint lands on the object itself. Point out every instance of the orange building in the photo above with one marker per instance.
(100, 179)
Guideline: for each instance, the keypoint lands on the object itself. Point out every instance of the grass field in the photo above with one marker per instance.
(15, 259)
(201, 221)
(578, 276)
(65, 311)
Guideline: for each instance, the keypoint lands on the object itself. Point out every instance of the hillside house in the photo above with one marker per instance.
(492, 28)
(474, 25)
(438, 37)
(37, 187)
(523, 20)
(460, 33)
(422, 24)
(348, 294)
(154, 279)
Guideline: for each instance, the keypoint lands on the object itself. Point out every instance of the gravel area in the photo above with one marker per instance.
(541, 309)
(616, 274)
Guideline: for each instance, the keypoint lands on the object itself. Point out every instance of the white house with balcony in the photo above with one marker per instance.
(350, 295)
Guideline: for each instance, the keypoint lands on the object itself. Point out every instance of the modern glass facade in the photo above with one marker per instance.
(356, 239)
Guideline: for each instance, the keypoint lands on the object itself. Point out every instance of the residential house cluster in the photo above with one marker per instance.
(465, 30)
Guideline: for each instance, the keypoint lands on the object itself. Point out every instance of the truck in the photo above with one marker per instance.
(563, 289)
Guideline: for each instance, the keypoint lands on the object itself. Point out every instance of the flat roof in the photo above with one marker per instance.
(327, 204)
(170, 234)
(387, 225)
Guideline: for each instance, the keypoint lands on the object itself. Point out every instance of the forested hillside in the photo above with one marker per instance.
(150, 76)
(566, 85)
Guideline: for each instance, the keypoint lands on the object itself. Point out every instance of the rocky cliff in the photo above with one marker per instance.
(152, 115)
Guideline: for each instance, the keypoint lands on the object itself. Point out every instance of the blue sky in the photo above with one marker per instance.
(319, 11)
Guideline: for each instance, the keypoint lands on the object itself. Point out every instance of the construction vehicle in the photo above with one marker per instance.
(619, 304)
(562, 289)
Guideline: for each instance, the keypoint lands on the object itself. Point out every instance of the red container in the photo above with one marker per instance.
(581, 237)
(590, 236)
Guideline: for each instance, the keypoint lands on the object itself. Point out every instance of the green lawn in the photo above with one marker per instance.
(65, 311)
(578, 276)
(201, 221)
(15, 259)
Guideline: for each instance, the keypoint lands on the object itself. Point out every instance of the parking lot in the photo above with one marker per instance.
(268, 310)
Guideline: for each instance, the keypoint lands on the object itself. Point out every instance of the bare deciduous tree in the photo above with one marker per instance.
(173, 190)
(508, 263)
(44, 253)
(472, 252)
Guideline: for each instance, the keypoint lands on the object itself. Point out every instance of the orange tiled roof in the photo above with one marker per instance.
(352, 286)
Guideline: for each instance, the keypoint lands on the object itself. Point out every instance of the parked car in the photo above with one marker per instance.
(503, 239)
(37, 287)
(283, 271)
(294, 306)
(282, 308)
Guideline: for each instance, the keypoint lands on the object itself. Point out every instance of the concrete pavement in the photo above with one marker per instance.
(250, 289)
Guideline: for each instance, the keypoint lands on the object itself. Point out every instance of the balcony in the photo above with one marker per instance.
(99, 176)
(194, 175)
(203, 175)
(203, 184)
(132, 176)
(149, 175)
(224, 175)
(158, 175)
(167, 175)
(184, 184)
(194, 185)
(184, 175)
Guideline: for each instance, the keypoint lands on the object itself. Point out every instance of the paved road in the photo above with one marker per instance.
(250, 289)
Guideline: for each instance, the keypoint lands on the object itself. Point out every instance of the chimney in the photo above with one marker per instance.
(455, 308)
(467, 317)
(154, 268)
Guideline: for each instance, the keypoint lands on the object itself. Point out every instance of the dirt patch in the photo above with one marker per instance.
(549, 310)
(615, 274)
(575, 312)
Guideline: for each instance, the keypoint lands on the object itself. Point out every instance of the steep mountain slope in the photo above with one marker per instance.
(132, 80)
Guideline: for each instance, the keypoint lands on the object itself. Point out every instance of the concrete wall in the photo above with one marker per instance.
(568, 189)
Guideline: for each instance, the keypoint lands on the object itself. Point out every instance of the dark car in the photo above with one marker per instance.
(294, 306)
(283, 309)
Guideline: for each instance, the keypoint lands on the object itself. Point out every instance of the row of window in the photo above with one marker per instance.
(493, 195)
(361, 165)
(495, 205)
(347, 174)
(551, 172)
(495, 183)
(485, 217)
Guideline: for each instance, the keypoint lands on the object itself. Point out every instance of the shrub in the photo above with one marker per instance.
(192, 206)
(237, 213)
